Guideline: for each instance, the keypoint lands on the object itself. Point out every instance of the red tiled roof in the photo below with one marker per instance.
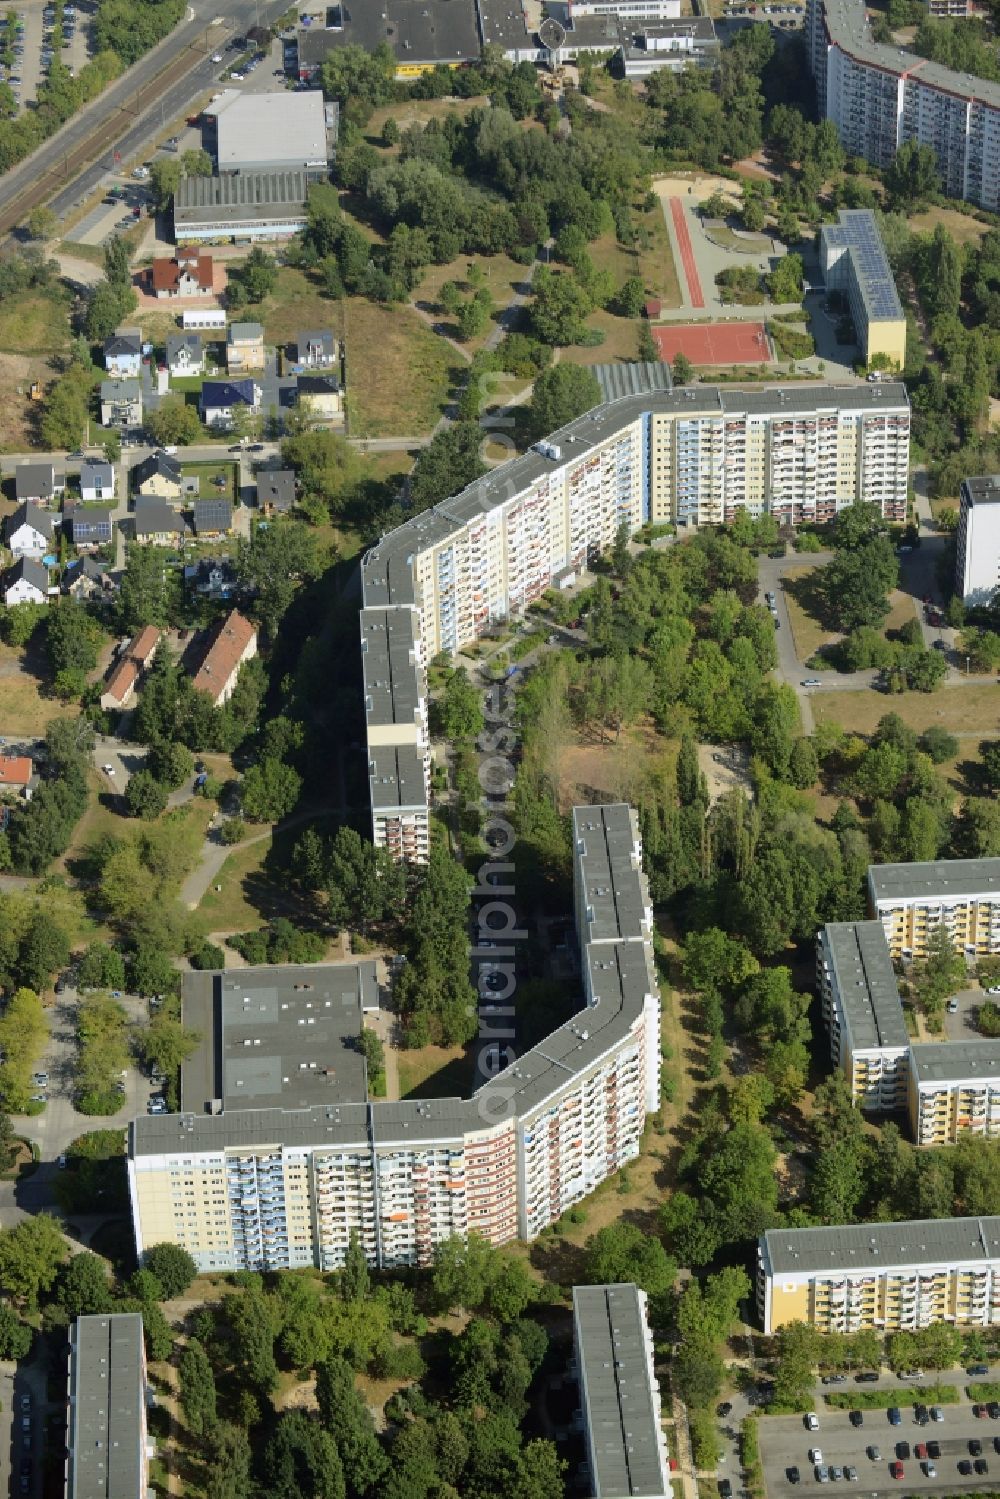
(166, 273)
(144, 644)
(15, 770)
(226, 650)
(122, 679)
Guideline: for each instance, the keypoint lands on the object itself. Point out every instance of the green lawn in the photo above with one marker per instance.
(35, 323)
(205, 473)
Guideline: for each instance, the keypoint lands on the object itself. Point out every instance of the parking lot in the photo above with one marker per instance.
(961, 1025)
(786, 1442)
(34, 51)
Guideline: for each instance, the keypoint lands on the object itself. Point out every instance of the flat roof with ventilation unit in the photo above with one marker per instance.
(935, 882)
(107, 1412)
(866, 984)
(867, 1246)
(282, 1037)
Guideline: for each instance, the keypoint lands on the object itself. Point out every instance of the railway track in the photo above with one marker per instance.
(98, 140)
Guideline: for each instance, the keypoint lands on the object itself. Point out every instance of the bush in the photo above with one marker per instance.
(880, 1400)
(208, 956)
(279, 942)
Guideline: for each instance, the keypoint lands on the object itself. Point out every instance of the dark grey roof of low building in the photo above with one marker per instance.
(177, 342)
(31, 515)
(153, 514)
(217, 394)
(318, 385)
(212, 515)
(248, 197)
(418, 31)
(87, 518)
(632, 379)
(127, 341)
(157, 463)
(96, 470)
(276, 486)
(107, 1407)
(315, 337)
(34, 479)
(32, 571)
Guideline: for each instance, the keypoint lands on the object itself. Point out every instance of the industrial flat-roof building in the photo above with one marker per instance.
(107, 1447)
(277, 1156)
(885, 1276)
(913, 901)
(242, 207)
(619, 1395)
(977, 556)
(869, 1041)
(854, 263)
(423, 34)
(273, 132)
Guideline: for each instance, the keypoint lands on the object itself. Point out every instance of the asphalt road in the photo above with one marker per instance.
(127, 114)
(785, 1443)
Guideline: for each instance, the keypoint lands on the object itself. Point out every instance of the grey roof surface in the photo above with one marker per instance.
(262, 130)
(315, 338)
(617, 1392)
(83, 520)
(386, 570)
(93, 469)
(984, 489)
(954, 1061)
(418, 31)
(212, 515)
(632, 29)
(176, 342)
(246, 197)
(32, 571)
(934, 882)
(276, 486)
(866, 982)
(848, 29)
(125, 341)
(391, 676)
(857, 233)
(318, 384)
(153, 514)
(107, 1417)
(636, 379)
(244, 332)
(613, 889)
(34, 479)
(282, 1037)
(121, 390)
(877, 1246)
(396, 777)
(40, 520)
(157, 463)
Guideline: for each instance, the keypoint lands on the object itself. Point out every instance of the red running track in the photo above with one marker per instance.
(687, 252)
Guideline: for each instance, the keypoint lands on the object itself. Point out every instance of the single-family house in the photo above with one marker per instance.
(234, 642)
(123, 354)
(27, 582)
(315, 350)
(159, 477)
(86, 579)
(213, 517)
(220, 397)
(156, 523)
(212, 577)
(97, 479)
(17, 776)
(37, 483)
(121, 403)
(87, 527)
(120, 683)
(185, 355)
(323, 395)
(188, 274)
(275, 490)
(244, 347)
(30, 530)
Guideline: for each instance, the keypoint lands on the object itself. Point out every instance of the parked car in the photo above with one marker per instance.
(836, 1475)
(874, 1454)
(811, 1421)
(934, 1449)
(816, 1456)
(856, 1418)
(895, 1419)
(930, 1470)
(978, 1369)
(866, 1378)
(822, 1474)
(897, 1470)
(981, 1466)
(965, 1467)
(851, 1474)
(903, 1450)
(975, 1447)
(952, 1007)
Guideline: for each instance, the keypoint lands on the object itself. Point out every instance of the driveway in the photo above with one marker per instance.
(59, 1123)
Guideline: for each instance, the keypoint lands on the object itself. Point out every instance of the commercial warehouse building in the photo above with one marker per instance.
(854, 263)
(880, 96)
(619, 1395)
(885, 1276)
(277, 1156)
(107, 1446)
(977, 557)
(913, 901)
(695, 456)
(243, 207)
(423, 34)
(272, 132)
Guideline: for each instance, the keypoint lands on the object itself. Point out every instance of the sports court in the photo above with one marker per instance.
(713, 343)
